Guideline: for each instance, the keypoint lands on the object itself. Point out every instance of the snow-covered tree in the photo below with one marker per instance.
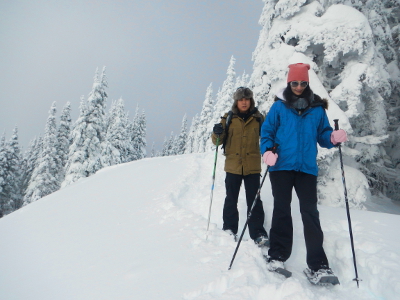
(137, 132)
(354, 64)
(133, 133)
(118, 146)
(242, 80)
(164, 150)
(10, 174)
(204, 128)
(30, 161)
(15, 160)
(190, 142)
(383, 17)
(169, 145)
(174, 150)
(45, 176)
(153, 151)
(172, 142)
(139, 142)
(75, 167)
(88, 135)
(180, 143)
(64, 138)
(4, 199)
(224, 99)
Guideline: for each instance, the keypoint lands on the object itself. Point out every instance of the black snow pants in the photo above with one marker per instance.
(281, 234)
(231, 214)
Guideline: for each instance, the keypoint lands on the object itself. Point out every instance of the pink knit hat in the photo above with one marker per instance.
(298, 72)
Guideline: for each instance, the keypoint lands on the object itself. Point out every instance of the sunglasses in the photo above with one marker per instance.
(295, 84)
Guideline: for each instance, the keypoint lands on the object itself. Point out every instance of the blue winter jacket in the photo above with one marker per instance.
(297, 135)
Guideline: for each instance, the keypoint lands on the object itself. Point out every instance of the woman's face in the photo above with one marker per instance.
(298, 87)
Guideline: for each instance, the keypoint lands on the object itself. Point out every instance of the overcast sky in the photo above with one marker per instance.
(160, 55)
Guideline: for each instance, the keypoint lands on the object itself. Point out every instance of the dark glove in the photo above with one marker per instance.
(218, 129)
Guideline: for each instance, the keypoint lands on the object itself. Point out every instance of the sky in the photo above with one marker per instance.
(138, 231)
(159, 55)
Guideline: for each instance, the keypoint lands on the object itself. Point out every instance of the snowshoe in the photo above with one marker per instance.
(277, 266)
(262, 241)
(234, 235)
(324, 277)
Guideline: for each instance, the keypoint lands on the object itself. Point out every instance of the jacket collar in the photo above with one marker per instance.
(317, 101)
(253, 113)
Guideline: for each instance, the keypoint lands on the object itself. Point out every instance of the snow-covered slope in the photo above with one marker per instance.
(137, 231)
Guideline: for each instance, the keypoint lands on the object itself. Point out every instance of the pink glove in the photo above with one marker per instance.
(270, 158)
(338, 136)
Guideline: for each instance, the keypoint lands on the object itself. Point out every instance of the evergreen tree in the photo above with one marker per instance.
(174, 145)
(30, 162)
(76, 163)
(383, 18)
(242, 80)
(224, 96)
(140, 143)
(190, 142)
(181, 139)
(153, 151)
(45, 176)
(4, 200)
(134, 135)
(204, 128)
(64, 139)
(15, 159)
(88, 135)
(165, 151)
(117, 145)
(10, 174)
(171, 148)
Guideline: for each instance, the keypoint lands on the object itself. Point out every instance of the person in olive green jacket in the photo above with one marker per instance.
(242, 163)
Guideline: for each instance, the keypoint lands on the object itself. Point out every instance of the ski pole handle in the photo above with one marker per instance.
(336, 124)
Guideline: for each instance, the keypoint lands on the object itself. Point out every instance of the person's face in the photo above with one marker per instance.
(243, 105)
(298, 87)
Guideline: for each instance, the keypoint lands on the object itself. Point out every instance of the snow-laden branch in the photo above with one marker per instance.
(369, 139)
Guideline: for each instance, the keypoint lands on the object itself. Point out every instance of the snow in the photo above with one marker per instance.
(356, 186)
(138, 231)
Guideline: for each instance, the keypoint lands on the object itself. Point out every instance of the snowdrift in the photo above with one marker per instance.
(137, 231)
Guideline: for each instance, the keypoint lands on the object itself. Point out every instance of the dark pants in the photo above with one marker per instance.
(281, 234)
(231, 214)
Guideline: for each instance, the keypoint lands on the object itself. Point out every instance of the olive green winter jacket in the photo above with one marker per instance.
(242, 149)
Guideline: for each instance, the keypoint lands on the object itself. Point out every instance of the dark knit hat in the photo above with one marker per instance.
(298, 72)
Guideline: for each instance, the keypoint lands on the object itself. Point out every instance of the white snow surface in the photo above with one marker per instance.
(138, 231)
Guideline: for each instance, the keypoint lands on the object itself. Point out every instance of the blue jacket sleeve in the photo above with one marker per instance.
(269, 128)
(324, 132)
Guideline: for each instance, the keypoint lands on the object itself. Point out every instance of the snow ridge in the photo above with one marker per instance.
(138, 231)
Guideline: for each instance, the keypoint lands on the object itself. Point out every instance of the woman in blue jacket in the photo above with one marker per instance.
(297, 122)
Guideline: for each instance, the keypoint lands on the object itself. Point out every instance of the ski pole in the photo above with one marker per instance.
(212, 186)
(251, 209)
(347, 207)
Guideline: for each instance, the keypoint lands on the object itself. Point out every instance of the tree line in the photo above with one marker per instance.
(69, 152)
